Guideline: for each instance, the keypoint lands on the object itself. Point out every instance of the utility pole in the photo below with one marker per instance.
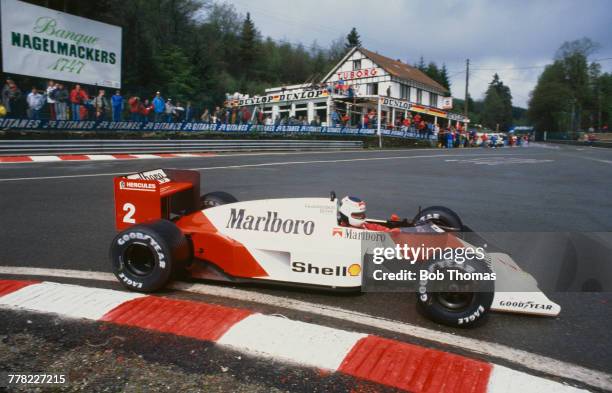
(599, 107)
(467, 83)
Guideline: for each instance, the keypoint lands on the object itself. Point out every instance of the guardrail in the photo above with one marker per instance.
(581, 143)
(100, 146)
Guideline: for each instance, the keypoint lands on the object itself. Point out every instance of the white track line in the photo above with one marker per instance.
(532, 361)
(265, 164)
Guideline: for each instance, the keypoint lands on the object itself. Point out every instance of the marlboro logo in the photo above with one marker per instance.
(337, 232)
(270, 222)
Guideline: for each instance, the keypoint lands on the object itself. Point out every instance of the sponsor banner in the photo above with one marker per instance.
(395, 103)
(280, 97)
(457, 117)
(90, 125)
(358, 74)
(447, 102)
(428, 110)
(45, 43)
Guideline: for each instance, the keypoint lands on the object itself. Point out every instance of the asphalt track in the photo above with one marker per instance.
(532, 202)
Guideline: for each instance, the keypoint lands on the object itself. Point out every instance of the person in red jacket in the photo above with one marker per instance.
(78, 97)
(135, 108)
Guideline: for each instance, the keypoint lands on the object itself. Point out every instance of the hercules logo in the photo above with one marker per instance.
(269, 223)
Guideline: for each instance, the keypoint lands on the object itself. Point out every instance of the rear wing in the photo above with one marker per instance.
(151, 195)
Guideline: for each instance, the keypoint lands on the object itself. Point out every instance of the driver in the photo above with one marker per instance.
(352, 212)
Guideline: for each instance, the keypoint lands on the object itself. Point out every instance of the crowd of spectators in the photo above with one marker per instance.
(57, 102)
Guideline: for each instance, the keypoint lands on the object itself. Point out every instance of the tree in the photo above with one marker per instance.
(421, 64)
(249, 50)
(497, 105)
(352, 39)
(444, 79)
(569, 93)
(175, 71)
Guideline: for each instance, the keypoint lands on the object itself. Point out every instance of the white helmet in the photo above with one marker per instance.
(352, 211)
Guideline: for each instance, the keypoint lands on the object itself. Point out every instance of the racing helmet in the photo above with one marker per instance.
(352, 211)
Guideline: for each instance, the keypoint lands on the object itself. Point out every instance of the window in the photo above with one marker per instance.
(419, 96)
(405, 92)
(372, 89)
(356, 65)
(433, 100)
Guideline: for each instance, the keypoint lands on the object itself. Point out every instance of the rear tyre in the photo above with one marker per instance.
(441, 216)
(145, 256)
(456, 303)
(216, 198)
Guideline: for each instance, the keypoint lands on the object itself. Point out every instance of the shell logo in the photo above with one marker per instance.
(354, 269)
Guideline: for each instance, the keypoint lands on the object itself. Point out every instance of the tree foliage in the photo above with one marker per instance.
(353, 39)
(497, 106)
(201, 49)
(572, 94)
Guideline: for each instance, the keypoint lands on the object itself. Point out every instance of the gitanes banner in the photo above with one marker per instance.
(90, 125)
(44, 43)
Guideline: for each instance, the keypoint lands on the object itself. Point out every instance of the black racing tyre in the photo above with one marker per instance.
(441, 216)
(456, 303)
(145, 256)
(216, 198)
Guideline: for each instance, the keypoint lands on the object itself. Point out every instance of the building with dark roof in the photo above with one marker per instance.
(361, 82)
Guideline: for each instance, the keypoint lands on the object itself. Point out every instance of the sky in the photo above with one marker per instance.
(514, 38)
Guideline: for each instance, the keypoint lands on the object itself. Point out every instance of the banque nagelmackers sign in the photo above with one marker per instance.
(41, 42)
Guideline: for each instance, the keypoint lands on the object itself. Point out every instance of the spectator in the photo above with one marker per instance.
(205, 116)
(77, 100)
(134, 105)
(51, 87)
(159, 106)
(36, 101)
(449, 139)
(179, 112)
(335, 118)
(422, 127)
(246, 116)
(117, 105)
(61, 102)
(218, 116)
(100, 104)
(11, 99)
(189, 112)
(145, 110)
(406, 122)
(346, 120)
(169, 110)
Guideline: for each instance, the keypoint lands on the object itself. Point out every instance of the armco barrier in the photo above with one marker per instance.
(38, 147)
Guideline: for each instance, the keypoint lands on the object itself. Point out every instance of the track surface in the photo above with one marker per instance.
(60, 215)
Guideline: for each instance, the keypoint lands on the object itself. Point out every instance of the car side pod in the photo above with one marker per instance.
(516, 291)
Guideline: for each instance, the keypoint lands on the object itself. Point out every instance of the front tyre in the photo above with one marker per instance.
(456, 303)
(144, 256)
(440, 216)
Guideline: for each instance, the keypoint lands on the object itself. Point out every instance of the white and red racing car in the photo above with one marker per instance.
(166, 227)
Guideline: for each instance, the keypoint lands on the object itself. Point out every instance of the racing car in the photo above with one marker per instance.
(167, 228)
